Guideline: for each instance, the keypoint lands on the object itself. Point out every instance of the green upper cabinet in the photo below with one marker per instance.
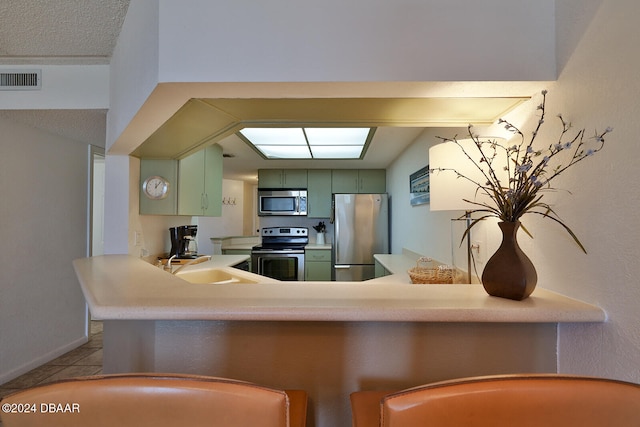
(200, 183)
(163, 203)
(282, 178)
(344, 181)
(319, 193)
(372, 181)
(358, 181)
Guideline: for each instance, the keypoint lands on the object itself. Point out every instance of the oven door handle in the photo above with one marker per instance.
(260, 252)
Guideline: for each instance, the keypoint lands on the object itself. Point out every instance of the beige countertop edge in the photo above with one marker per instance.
(119, 287)
(312, 245)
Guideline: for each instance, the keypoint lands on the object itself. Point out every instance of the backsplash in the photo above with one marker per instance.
(294, 221)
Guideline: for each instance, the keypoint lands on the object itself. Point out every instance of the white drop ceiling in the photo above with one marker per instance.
(296, 143)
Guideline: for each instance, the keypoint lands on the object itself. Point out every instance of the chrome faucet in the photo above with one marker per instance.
(168, 265)
(193, 261)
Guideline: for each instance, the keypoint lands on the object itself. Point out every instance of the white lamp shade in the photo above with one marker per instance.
(447, 190)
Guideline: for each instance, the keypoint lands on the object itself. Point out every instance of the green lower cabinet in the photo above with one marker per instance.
(317, 265)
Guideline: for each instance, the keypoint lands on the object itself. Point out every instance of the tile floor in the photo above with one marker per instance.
(82, 361)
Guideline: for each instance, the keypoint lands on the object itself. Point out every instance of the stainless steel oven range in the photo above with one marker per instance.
(281, 254)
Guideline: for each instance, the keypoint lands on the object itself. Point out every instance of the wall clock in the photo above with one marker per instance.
(155, 187)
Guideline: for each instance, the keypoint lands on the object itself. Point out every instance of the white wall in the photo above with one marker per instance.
(415, 227)
(229, 224)
(134, 66)
(133, 76)
(358, 40)
(43, 223)
(97, 204)
(63, 87)
(599, 87)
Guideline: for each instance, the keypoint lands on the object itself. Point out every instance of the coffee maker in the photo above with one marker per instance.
(183, 241)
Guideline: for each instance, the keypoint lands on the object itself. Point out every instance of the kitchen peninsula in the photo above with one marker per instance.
(329, 338)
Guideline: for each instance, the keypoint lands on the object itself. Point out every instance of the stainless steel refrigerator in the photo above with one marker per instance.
(361, 229)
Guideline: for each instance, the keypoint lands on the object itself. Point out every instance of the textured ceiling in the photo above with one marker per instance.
(86, 126)
(60, 32)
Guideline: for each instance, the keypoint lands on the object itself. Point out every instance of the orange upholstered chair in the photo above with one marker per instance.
(154, 400)
(549, 400)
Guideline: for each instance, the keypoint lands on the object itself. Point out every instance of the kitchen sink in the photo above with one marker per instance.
(212, 276)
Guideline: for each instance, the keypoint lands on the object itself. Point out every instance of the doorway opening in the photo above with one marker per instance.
(96, 202)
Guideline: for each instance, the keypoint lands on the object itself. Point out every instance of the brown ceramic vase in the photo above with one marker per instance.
(509, 273)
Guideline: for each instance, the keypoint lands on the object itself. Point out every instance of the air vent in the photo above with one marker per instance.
(20, 79)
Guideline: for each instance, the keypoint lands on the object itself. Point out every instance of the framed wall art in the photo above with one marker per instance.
(419, 187)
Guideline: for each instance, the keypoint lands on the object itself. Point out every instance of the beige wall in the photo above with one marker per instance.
(597, 87)
(43, 217)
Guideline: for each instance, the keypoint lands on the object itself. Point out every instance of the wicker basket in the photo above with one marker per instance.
(427, 271)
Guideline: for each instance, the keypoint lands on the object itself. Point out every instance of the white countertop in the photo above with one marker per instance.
(237, 242)
(125, 287)
(325, 247)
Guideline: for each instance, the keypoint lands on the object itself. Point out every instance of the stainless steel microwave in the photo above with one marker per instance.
(282, 202)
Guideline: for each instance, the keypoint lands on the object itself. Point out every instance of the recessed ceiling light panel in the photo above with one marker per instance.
(285, 151)
(336, 152)
(337, 136)
(275, 136)
(307, 143)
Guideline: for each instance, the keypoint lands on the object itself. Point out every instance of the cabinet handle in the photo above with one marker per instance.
(206, 201)
(202, 201)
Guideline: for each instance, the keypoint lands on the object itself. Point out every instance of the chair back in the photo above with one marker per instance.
(151, 400)
(516, 400)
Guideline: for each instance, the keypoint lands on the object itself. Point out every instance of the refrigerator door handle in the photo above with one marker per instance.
(333, 211)
(336, 228)
(342, 267)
